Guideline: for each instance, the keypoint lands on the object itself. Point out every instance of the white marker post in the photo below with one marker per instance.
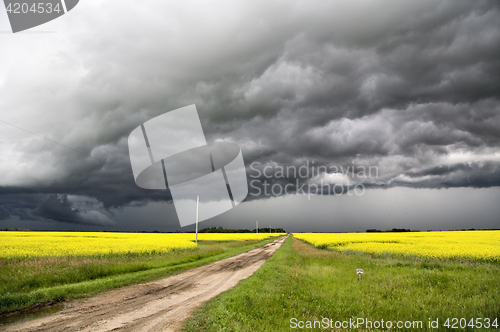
(360, 272)
(197, 204)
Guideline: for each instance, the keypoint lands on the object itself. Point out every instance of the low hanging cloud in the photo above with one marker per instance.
(60, 209)
(4, 213)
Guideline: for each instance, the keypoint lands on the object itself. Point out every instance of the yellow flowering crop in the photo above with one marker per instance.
(484, 245)
(37, 244)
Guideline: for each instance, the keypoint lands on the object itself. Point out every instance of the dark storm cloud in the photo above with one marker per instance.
(4, 213)
(40, 207)
(409, 87)
(475, 175)
(60, 209)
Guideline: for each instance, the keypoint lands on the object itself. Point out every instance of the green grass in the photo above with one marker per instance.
(26, 282)
(309, 284)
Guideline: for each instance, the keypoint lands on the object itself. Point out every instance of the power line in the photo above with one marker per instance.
(45, 138)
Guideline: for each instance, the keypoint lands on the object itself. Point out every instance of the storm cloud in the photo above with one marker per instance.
(60, 209)
(409, 87)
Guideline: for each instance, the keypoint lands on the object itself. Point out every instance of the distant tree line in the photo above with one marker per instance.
(273, 230)
(225, 230)
(14, 230)
(373, 230)
(398, 230)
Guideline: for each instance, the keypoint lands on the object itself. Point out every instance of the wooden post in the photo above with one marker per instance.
(197, 204)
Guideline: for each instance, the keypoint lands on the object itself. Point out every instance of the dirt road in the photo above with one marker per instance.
(160, 305)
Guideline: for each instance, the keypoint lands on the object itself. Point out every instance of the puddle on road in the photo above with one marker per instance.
(25, 316)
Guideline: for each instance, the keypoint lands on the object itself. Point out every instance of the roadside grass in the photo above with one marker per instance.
(309, 284)
(31, 281)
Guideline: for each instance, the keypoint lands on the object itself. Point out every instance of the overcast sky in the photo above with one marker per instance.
(410, 89)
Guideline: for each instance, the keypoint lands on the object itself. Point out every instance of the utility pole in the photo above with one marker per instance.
(269, 229)
(197, 204)
(257, 227)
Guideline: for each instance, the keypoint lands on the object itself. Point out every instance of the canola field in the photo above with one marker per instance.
(58, 244)
(476, 245)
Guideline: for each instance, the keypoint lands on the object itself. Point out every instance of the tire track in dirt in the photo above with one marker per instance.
(160, 305)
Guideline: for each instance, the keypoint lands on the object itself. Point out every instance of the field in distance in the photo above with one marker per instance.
(474, 245)
(47, 267)
(59, 244)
